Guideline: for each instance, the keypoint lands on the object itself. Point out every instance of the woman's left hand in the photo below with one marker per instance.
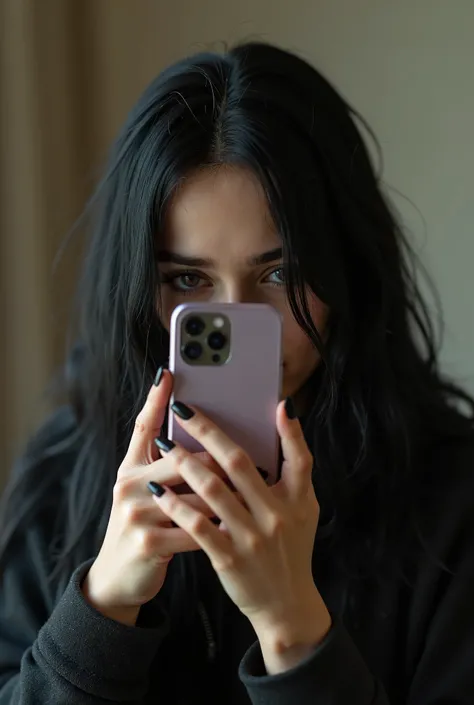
(263, 555)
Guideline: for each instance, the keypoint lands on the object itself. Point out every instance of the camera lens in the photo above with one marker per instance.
(216, 340)
(195, 326)
(193, 351)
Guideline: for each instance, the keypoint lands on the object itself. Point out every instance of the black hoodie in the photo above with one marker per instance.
(410, 643)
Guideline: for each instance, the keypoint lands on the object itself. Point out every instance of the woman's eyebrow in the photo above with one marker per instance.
(175, 258)
(266, 257)
(255, 260)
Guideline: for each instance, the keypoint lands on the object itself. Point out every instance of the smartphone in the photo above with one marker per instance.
(226, 360)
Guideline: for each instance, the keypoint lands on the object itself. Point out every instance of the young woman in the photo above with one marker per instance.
(243, 177)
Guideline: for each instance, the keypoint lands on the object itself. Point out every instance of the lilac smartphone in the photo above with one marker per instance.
(226, 360)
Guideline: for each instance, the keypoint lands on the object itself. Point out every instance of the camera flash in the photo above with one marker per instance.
(218, 322)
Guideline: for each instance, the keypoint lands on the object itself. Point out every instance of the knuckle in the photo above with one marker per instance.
(122, 488)
(203, 428)
(277, 525)
(124, 470)
(146, 541)
(132, 513)
(140, 423)
(254, 543)
(237, 460)
(211, 487)
(199, 525)
(180, 459)
(226, 563)
(303, 461)
(174, 505)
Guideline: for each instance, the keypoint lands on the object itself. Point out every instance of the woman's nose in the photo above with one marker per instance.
(239, 295)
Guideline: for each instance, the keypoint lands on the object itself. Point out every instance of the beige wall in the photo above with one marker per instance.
(406, 65)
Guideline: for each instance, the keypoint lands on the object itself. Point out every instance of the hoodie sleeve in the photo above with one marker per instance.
(334, 674)
(74, 655)
(440, 620)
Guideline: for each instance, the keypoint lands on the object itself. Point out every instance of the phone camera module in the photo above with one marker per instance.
(194, 326)
(216, 340)
(193, 351)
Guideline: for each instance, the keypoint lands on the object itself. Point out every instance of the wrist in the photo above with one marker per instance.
(123, 614)
(285, 641)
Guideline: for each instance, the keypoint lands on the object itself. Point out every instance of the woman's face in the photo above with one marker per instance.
(220, 245)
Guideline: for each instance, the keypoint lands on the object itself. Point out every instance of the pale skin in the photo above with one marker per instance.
(255, 555)
(263, 555)
(221, 217)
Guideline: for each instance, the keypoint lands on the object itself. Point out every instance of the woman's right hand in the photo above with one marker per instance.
(140, 541)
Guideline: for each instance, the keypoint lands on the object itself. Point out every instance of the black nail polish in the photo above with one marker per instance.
(157, 489)
(164, 444)
(263, 473)
(181, 410)
(159, 375)
(290, 408)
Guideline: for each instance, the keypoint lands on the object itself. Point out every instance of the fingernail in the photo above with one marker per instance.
(164, 444)
(157, 489)
(263, 473)
(181, 410)
(159, 375)
(290, 408)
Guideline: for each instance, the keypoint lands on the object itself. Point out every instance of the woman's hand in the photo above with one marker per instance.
(263, 555)
(140, 540)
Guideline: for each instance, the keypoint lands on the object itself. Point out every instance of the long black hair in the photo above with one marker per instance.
(377, 394)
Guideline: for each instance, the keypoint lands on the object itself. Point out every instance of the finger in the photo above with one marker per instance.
(149, 514)
(149, 422)
(164, 470)
(207, 536)
(213, 491)
(297, 459)
(237, 465)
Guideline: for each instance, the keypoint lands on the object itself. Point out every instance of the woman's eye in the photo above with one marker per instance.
(277, 276)
(185, 281)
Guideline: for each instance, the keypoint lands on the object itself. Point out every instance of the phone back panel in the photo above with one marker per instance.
(241, 395)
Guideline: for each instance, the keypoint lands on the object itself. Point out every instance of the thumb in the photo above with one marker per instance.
(149, 421)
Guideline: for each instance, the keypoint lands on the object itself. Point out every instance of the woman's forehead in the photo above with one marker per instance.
(219, 213)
